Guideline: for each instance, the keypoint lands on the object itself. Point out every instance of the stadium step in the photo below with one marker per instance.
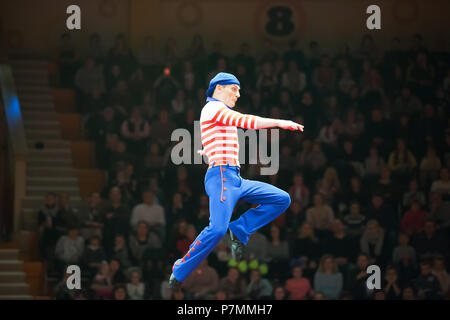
(42, 133)
(43, 107)
(15, 297)
(43, 190)
(44, 154)
(51, 171)
(9, 254)
(15, 288)
(37, 201)
(48, 114)
(26, 89)
(20, 64)
(52, 181)
(34, 124)
(49, 162)
(49, 144)
(8, 277)
(11, 265)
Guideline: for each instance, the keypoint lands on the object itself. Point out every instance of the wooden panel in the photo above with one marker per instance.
(83, 154)
(70, 126)
(64, 100)
(35, 273)
(90, 180)
(28, 245)
(9, 245)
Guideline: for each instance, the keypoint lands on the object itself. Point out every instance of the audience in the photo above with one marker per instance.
(368, 180)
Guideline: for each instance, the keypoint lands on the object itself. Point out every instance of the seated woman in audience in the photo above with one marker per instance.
(328, 279)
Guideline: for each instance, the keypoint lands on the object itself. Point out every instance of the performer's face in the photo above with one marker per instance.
(230, 94)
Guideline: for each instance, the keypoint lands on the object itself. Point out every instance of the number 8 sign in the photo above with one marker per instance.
(283, 20)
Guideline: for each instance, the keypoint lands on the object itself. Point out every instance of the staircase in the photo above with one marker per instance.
(13, 285)
(49, 164)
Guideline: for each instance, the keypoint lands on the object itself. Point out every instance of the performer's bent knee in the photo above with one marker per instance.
(219, 231)
(285, 200)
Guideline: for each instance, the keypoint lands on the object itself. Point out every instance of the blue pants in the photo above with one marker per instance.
(225, 187)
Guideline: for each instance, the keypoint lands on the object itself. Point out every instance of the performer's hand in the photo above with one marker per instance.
(290, 125)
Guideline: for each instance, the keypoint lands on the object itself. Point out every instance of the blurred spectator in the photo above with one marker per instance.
(120, 251)
(373, 242)
(94, 48)
(413, 219)
(257, 247)
(120, 292)
(298, 287)
(294, 79)
(440, 271)
(69, 249)
(384, 214)
(91, 224)
(89, 77)
(221, 295)
(442, 185)
(356, 193)
(391, 287)
(48, 234)
(115, 218)
(328, 280)
(258, 288)
(196, 51)
(306, 244)
(299, 192)
(379, 294)
(67, 215)
(340, 246)
(404, 253)
(413, 194)
(279, 293)
(329, 185)
(277, 254)
(427, 284)
(320, 216)
(358, 278)
(121, 98)
(93, 255)
(354, 221)
(66, 60)
(430, 241)
(149, 57)
(407, 103)
(142, 240)
(120, 54)
(116, 271)
(402, 161)
(202, 282)
(408, 293)
(234, 285)
(440, 211)
(324, 76)
(430, 167)
(151, 213)
(162, 128)
(165, 87)
(135, 288)
(102, 284)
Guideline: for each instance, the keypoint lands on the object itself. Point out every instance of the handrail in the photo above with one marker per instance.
(16, 140)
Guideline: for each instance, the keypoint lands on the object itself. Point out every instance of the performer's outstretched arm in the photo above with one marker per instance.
(229, 117)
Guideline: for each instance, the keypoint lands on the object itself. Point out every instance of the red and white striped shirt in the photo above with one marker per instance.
(218, 125)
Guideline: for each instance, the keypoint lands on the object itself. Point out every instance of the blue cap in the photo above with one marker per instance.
(221, 78)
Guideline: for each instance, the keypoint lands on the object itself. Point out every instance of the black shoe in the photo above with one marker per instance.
(173, 282)
(237, 247)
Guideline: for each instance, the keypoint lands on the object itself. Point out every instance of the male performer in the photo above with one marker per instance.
(223, 183)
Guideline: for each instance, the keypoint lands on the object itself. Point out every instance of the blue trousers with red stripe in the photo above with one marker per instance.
(225, 186)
